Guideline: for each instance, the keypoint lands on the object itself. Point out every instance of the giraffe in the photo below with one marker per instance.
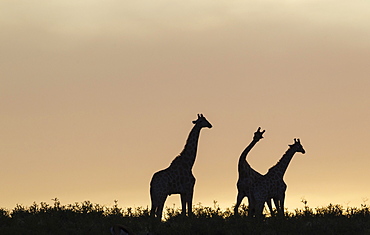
(247, 175)
(178, 177)
(272, 184)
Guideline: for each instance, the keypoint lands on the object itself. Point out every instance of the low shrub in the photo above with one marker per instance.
(91, 218)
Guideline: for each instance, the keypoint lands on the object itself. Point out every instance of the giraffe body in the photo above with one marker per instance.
(272, 184)
(178, 177)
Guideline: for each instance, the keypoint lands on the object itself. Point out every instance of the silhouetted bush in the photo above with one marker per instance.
(91, 218)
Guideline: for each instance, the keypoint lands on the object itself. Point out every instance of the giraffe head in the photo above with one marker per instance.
(258, 134)
(202, 121)
(298, 146)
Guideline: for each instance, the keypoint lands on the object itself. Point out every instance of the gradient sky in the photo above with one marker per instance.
(96, 96)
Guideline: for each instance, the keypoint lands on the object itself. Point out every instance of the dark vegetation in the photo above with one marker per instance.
(90, 218)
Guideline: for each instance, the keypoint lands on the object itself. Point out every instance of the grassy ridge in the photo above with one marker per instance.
(90, 218)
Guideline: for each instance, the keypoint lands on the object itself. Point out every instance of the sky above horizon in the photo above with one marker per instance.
(96, 96)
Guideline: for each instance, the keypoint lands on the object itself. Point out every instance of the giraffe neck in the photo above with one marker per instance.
(280, 168)
(188, 154)
(243, 156)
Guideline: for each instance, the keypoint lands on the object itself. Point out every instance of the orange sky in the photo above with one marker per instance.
(96, 96)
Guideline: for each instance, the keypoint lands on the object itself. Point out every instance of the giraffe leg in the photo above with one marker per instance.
(259, 205)
(277, 204)
(153, 211)
(156, 194)
(160, 208)
(187, 204)
(154, 208)
(157, 200)
(239, 200)
(183, 204)
(268, 202)
(190, 204)
(252, 206)
(282, 204)
(157, 205)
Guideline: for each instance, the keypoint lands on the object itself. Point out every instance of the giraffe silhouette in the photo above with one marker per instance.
(247, 176)
(272, 184)
(178, 177)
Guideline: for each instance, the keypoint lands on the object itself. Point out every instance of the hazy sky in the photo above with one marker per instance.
(96, 96)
